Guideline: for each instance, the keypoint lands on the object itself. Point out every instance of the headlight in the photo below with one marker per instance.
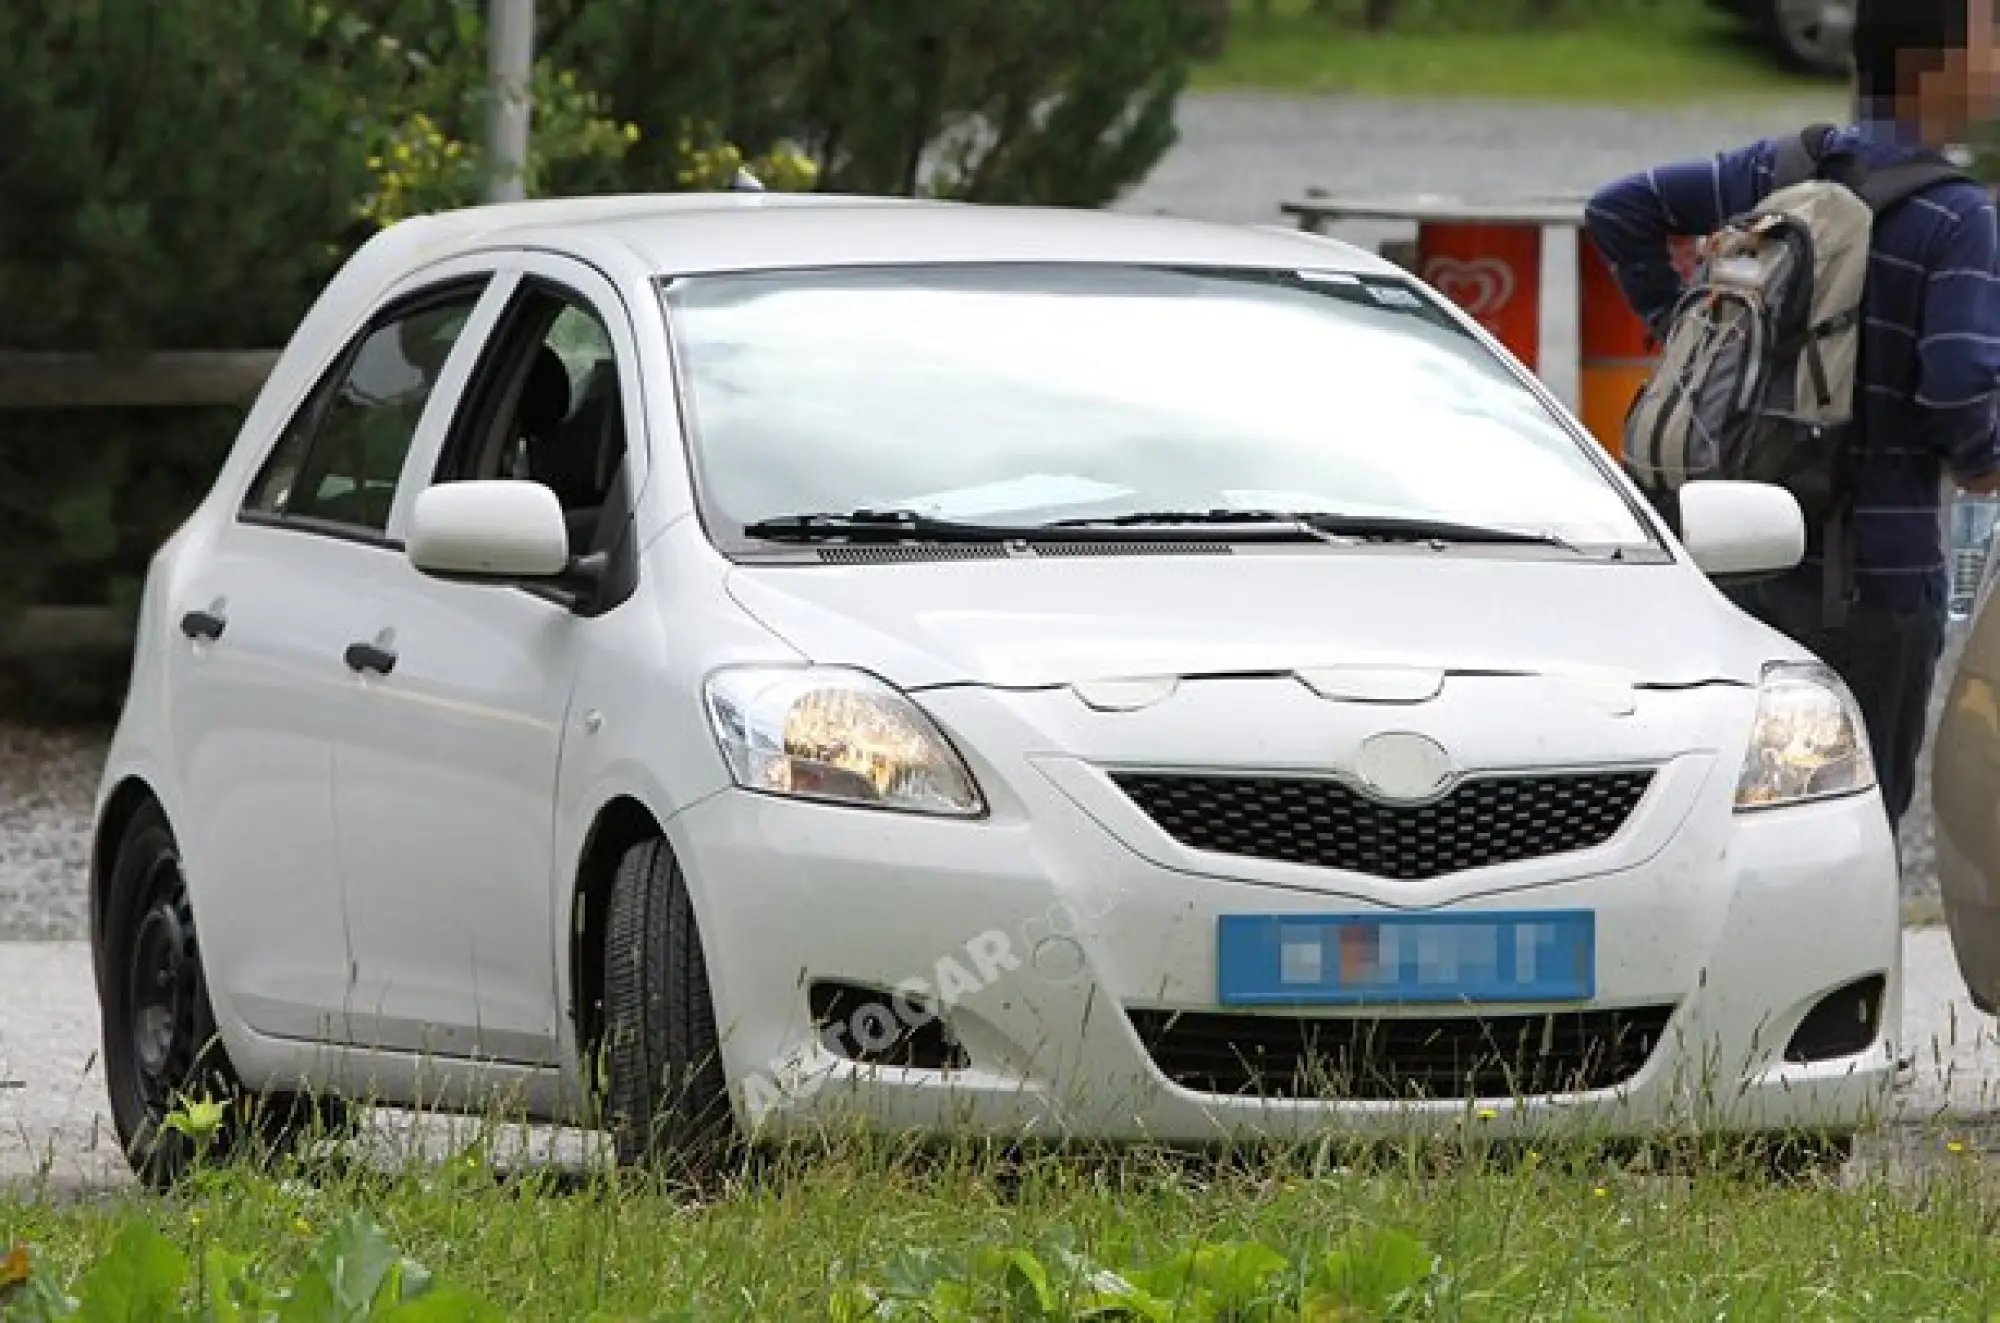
(832, 734)
(1809, 741)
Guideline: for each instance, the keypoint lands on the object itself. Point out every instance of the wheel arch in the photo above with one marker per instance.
(131, 794)
(619, 824)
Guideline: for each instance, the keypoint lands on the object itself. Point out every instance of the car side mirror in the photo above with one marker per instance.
(1739, 529)
(491, 531)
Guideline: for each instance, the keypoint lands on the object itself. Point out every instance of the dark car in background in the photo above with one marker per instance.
(1812, 36)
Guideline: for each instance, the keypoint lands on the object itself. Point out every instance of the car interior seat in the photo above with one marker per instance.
(548, 449)
(587, 446)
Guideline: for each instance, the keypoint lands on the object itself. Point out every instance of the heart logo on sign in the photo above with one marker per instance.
(1481, 287)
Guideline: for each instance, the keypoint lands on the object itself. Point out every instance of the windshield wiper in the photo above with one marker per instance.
(1362, 527)
(1400, 528)
(909, 526)
(871, 526)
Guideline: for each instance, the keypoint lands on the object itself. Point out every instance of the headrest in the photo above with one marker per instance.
(545, 398)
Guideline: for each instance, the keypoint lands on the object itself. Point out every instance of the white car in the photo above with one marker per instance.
(723, 665)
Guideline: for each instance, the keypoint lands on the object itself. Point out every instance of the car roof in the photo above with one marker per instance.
(692, 233)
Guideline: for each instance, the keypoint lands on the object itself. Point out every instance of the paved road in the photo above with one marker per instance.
(53, 1124)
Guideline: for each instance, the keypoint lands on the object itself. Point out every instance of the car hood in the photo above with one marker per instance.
(1040, 623)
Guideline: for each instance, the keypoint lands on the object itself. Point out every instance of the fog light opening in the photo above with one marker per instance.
(878, 1027)
(1842, 1024)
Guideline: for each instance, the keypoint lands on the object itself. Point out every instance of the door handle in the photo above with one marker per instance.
(203, 625)
(370, 657)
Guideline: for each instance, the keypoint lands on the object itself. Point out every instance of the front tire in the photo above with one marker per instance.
(667, 1096)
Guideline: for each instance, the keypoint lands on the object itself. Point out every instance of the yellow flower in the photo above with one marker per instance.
(303, 1227)
(1600, 1191)
(1487, 1113)
(631, 133)
(1955, 1146)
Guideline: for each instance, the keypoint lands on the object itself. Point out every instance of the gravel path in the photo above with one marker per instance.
(1240, 155)
(48, 781)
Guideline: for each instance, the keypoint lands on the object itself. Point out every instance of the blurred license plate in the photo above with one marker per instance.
(1546, 955)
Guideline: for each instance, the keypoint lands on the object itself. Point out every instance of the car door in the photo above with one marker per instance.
(445, 778)
(257, 681)
(1965, 804)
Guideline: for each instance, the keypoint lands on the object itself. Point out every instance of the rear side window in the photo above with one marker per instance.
(338, 462)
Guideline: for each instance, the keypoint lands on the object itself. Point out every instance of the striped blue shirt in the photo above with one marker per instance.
(1932, 350)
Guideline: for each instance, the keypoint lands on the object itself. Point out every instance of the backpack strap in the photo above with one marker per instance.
(1799, 158)
(1890, 186)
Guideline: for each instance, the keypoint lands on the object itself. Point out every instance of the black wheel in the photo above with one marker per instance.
(161, 1046)
(667, 1098)
(160, 1042)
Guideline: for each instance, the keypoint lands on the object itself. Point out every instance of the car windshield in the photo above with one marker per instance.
(1023, 395)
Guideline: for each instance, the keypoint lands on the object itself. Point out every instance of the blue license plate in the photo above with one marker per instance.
(1292, 959)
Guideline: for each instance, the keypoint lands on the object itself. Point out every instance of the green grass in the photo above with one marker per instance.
(1679, 55)
(1544, 1237)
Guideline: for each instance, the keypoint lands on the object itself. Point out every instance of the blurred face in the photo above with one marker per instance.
(1959, 87)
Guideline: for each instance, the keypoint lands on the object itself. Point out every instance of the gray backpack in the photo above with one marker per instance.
(1760, 373)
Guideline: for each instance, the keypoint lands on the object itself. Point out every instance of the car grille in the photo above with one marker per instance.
(1325, 824)
(1364, 1060)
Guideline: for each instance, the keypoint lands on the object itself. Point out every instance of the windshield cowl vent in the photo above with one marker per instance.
(907, 554)
(925, 553)
(1135, 548)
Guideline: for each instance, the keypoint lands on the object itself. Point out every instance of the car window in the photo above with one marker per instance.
(546, 407)
(1023, 394)
(340, 459)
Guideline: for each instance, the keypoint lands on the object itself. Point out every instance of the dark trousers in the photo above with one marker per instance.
(1889, 659)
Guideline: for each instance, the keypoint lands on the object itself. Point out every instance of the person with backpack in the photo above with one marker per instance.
(1840, 336)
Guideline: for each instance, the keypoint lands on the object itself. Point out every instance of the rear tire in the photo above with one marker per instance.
(161, 1045)
(667, 1096)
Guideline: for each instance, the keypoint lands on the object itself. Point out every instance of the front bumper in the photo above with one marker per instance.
(1044, 931)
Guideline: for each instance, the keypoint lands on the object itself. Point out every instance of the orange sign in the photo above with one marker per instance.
(1494, 272)
(1617, 352)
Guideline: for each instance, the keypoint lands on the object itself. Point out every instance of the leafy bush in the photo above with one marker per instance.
(352, 1274)
(180, 174)
(1043, 101)
(1374, 1274)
